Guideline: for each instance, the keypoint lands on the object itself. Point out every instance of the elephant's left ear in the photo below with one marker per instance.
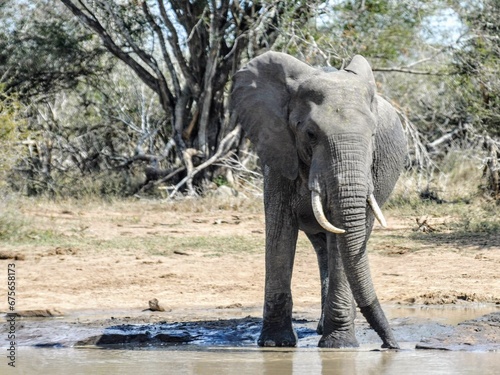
(361, 67)
(260, 99)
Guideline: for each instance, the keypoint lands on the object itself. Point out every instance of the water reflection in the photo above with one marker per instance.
(228, 347)
(240, 361)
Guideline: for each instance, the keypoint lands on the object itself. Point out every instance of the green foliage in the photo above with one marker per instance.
(384, 31)
(82, 140)
(43, 50)
(10, 137)
(381, 29)
(73, 122)
(9, 116)
(221, 181)
(477, 63)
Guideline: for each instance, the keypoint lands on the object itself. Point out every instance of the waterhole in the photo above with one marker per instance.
(434, 340)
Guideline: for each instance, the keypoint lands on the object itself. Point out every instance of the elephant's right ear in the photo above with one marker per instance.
(260, 99)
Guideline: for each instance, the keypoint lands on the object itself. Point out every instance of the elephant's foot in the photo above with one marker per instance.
(339, 339)
(277, 336)
(277, 329)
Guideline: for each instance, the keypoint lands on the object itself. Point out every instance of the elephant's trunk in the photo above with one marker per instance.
(348, 208)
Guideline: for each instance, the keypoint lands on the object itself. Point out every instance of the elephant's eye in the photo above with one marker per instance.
(311, 135)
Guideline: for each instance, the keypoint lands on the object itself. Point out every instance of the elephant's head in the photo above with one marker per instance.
(309, 121)
(318, 126)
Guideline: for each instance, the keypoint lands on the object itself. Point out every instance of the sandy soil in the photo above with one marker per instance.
(120, 256)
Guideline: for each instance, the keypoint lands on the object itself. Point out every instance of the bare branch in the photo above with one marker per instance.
(224, 145)
(148, 59)
(196, 26)
(92, 23)
(448, 137)
(175, 44)
(419, 154)
(411, 71)
(166, 56)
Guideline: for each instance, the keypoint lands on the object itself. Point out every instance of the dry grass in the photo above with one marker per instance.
(452, 193)
(134, 226)
(451, 200)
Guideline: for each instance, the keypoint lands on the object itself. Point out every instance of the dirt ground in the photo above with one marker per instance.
(121, 255)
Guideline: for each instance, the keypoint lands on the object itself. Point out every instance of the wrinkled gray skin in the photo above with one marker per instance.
(323, 131)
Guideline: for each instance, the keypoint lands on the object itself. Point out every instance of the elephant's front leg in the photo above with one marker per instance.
(339, 310)
(320, 247)
(281, 241)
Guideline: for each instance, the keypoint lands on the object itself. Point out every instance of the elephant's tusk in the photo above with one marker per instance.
(377, 211)
(320, 215)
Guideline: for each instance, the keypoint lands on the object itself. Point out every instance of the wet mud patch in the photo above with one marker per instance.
(449, 298)
(481, 334)
(234, 332)
(148, 331)
(230, 332)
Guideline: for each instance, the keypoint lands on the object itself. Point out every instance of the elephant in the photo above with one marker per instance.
(331, 151)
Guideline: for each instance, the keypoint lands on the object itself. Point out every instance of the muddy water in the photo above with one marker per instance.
(79, 344)
(253, 361)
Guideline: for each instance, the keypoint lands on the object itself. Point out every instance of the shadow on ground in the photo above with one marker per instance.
(480, 241)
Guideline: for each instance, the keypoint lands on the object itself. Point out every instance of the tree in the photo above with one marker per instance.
(392, 36)
(477, 63)
(387, 32)
(43, 50)
(83, 115)
(447, 91)
(10, 120)
(69, 58)
(186, 52)
(88, 140)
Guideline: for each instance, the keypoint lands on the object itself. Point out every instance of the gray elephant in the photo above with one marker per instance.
(331, 148)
